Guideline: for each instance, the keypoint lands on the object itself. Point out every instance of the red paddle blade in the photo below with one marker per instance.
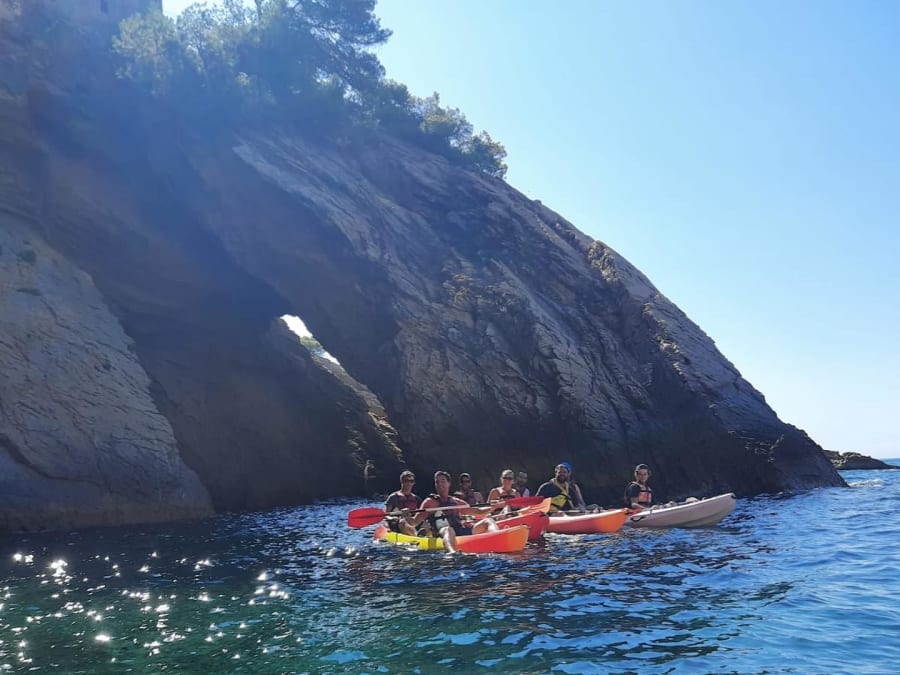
(365, 517)
(525, 501)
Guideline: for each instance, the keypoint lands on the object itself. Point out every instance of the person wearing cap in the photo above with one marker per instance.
(443, 512)
(506, 489)
(639, 495)
(559, 490)
(466, 492)
(403, 500)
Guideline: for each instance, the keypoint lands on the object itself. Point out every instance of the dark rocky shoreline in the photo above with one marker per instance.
(852, 461)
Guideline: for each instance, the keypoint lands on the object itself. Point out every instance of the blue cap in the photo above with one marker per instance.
(567, 465)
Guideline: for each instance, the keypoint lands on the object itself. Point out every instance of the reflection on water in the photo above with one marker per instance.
(783, 585)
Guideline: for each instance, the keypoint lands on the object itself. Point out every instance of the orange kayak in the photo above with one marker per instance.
(588, 523)
(510, 540)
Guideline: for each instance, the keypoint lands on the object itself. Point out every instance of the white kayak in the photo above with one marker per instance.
(697, 513)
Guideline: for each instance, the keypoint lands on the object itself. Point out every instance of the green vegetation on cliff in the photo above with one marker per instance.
(308, 62)
(312, 344)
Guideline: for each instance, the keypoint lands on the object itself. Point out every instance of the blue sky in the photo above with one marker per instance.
(744, 155)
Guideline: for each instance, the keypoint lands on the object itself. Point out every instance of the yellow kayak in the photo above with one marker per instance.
(510, 540)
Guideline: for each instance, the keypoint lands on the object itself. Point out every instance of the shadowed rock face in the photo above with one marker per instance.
(492, 331)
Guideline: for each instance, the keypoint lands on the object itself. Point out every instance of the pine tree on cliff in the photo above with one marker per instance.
(308, 61)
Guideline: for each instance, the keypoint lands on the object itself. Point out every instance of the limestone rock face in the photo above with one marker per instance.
(477, 329)
(81, 440)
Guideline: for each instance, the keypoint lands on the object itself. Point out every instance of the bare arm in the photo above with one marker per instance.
(428, 503)
(576, 493)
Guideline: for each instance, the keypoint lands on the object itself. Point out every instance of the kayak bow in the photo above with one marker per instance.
(697, 513)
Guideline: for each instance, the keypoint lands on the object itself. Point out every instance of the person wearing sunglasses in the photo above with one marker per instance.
(506, 489)
(402, 500)
(466, 492)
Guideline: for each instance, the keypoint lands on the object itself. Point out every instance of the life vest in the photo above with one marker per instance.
(398, 501)
(450, 517)
(644, 497)
(561, 501)
(512, 493)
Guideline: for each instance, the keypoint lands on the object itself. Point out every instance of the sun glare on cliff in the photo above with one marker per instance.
(295, 323)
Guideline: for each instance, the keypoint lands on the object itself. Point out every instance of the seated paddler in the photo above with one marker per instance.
(403, 500)
(558, 488)
(639, 495)
(444, 513)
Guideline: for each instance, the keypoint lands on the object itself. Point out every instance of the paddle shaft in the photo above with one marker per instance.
(370, 516)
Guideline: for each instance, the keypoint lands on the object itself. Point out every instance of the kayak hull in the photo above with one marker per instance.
(589, 523)
(535, 520)
(702, 513)
(509, 540)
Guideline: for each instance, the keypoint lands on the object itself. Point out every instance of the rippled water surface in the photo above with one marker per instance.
(802, 584)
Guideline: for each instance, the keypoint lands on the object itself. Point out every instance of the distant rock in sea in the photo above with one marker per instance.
(849, 461)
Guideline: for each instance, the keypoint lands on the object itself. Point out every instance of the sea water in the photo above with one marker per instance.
(808, 583)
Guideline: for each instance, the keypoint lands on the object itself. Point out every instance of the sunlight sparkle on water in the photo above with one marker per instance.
(725, 590)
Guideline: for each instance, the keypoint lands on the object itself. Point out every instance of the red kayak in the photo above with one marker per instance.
(535, 517)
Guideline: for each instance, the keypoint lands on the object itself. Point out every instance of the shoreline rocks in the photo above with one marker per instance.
(853, 461)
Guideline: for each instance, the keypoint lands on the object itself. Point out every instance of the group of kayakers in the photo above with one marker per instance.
(440, 513)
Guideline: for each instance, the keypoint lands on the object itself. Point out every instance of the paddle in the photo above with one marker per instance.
(370, 515)
(588, 510)
(638, 515)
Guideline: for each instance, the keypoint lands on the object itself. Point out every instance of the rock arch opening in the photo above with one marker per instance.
(307, 339)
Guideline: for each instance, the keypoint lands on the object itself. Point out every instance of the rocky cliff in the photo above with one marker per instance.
(146, 374)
